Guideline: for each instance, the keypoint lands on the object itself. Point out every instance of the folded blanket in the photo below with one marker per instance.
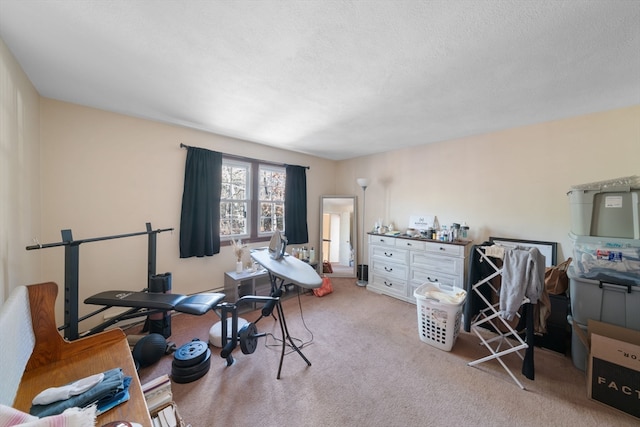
(55, 394)
(112, 384)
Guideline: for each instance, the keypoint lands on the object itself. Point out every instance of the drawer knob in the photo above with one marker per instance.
(431, 280)
(388, 254)
(388, 269)
(442, 249)
(388, 284)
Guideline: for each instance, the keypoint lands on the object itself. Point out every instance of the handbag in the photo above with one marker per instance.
(326, 267)
(325, 288)
(556, 281)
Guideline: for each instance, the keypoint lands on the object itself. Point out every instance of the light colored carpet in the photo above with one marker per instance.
(369, 368)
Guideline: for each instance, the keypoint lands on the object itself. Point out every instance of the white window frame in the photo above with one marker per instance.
(247, 200)
(252, 201)
(272, 168)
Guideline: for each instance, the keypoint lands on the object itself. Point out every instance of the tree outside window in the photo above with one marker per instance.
(252, 200)
(235, 199)
(271, 199)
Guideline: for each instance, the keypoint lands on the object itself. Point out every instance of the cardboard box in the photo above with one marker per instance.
(613, 373)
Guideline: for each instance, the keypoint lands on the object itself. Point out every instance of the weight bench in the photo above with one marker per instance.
(148, 303)
(197, 304)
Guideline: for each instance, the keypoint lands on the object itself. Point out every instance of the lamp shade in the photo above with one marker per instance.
(363, 182)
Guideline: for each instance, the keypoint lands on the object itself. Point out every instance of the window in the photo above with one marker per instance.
(235, 198)
(271, 199)
(251, 200)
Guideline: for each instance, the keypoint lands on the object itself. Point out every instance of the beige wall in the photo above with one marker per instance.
(19, 175)
(107, 174)
(508, 184)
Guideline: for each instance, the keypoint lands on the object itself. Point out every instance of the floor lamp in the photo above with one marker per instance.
(364, 183)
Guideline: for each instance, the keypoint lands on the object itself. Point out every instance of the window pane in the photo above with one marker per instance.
(271, 197)
(234, 181)
(266, 223)
(271, 217)
(226, 190)
(272, 181)
(233, 218)
(279, 216)
(234, 203)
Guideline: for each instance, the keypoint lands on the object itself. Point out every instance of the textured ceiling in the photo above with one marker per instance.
(336, 79)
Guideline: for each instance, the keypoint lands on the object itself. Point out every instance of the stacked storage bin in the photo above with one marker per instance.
(604, 279)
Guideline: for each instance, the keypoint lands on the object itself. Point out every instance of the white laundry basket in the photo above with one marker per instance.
(439, 313)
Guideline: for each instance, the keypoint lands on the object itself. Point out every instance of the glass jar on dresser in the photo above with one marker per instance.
(398, 265)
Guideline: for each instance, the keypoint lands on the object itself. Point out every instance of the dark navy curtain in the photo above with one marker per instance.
(295, 205)
(200, 217)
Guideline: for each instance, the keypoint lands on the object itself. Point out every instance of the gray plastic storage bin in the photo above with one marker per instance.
(614, 212)
(579, 352)
(608, 259)
(606, 302)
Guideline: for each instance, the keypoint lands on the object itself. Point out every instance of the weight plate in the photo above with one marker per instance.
(191, 370)
(190, 378)
(190, 354)
(205, 365)
(248, 339)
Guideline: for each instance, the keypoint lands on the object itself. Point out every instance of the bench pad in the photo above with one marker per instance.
(197, 304)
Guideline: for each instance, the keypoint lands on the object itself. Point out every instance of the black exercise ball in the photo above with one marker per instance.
(149, 349)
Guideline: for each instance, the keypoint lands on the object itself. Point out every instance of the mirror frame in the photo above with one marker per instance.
(351, 271)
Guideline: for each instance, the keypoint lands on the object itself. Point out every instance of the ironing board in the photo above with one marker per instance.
(285, 270)
(288, 268)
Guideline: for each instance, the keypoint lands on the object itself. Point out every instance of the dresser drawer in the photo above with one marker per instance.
(418, 277)
(444, 249)
(390, 285)
(382, 240)
(389, 254)
(431, 262)
(415, 245)
(389, 269)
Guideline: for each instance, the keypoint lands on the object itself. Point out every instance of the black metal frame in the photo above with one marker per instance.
(274, 301)
(71, 279)
(540, 245)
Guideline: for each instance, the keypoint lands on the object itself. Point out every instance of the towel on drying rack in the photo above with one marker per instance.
(495, 251)
(522, 276)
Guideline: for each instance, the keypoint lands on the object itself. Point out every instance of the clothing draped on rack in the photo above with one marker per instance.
(523, 272)
(522, 276)
(516, 279)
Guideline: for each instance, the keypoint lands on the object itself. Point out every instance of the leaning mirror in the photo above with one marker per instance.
(337, 234)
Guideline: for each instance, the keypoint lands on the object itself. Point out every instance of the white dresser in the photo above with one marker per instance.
(398, 265)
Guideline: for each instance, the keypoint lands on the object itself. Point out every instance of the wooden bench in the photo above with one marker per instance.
(54, 361)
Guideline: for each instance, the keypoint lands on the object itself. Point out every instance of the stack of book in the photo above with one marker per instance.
(167, 417)
(157, 393)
